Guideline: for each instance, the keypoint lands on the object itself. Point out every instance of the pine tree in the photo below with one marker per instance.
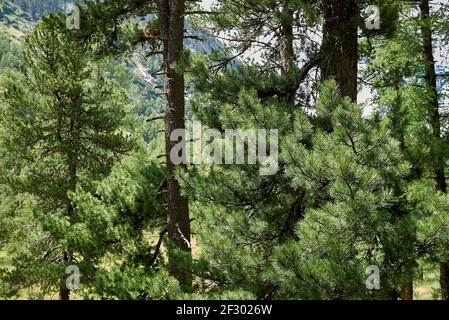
(360, 188)
(433, 111)
(258, 212)
(107, 25)
(61, 127)
(262, 214)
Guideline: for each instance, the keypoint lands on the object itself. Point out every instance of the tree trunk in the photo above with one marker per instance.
(72, 179)
(339, 46)
(444, 280)
(398, 133)
(439, 178)
(64, 293)
(407, 291)
(394, 295)
(286, 39)
(171, 18)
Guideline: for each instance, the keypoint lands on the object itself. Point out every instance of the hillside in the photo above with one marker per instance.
(18, 16)
(13, 20)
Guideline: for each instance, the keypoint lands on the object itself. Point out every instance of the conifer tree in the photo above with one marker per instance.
(106, 24)
(357, 206)
(434, 118)
(266, 212)
(61, 127)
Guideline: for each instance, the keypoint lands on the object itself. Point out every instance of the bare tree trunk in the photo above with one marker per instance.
(339, 46)
(439, 178)
(171, 17)
(64, 292)
(444, 280)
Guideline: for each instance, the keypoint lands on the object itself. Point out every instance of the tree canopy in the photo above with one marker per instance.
(134, 149)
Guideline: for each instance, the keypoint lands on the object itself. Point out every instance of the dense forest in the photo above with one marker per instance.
(224, 149)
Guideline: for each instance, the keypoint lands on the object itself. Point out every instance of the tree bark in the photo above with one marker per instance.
(407, 291)
(286, 39)
(64, 293)
(444, 280)
(339, 46)
(439, 177)
(171, 18)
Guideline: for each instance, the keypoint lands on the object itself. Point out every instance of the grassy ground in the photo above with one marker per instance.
(428, 288)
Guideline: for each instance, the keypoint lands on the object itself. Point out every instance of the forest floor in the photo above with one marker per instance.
(426, 288)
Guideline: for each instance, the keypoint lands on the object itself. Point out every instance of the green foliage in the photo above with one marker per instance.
(82, 174)
(8, 52)
(61, 127)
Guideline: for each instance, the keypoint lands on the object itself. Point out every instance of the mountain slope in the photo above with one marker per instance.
(14, 21)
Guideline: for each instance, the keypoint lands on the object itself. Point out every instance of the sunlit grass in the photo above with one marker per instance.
(428, 288)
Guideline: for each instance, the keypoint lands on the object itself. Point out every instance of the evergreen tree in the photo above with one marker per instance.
(109, 26)
(433, 111)
(265, 212)
(61, 127)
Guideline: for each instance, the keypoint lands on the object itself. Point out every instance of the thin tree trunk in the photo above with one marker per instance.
(439, 178)
(394, 295)
(406, 287)
(444, 280)
(287, 51)
(64, 292)
(72, 156)
(171, 17)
